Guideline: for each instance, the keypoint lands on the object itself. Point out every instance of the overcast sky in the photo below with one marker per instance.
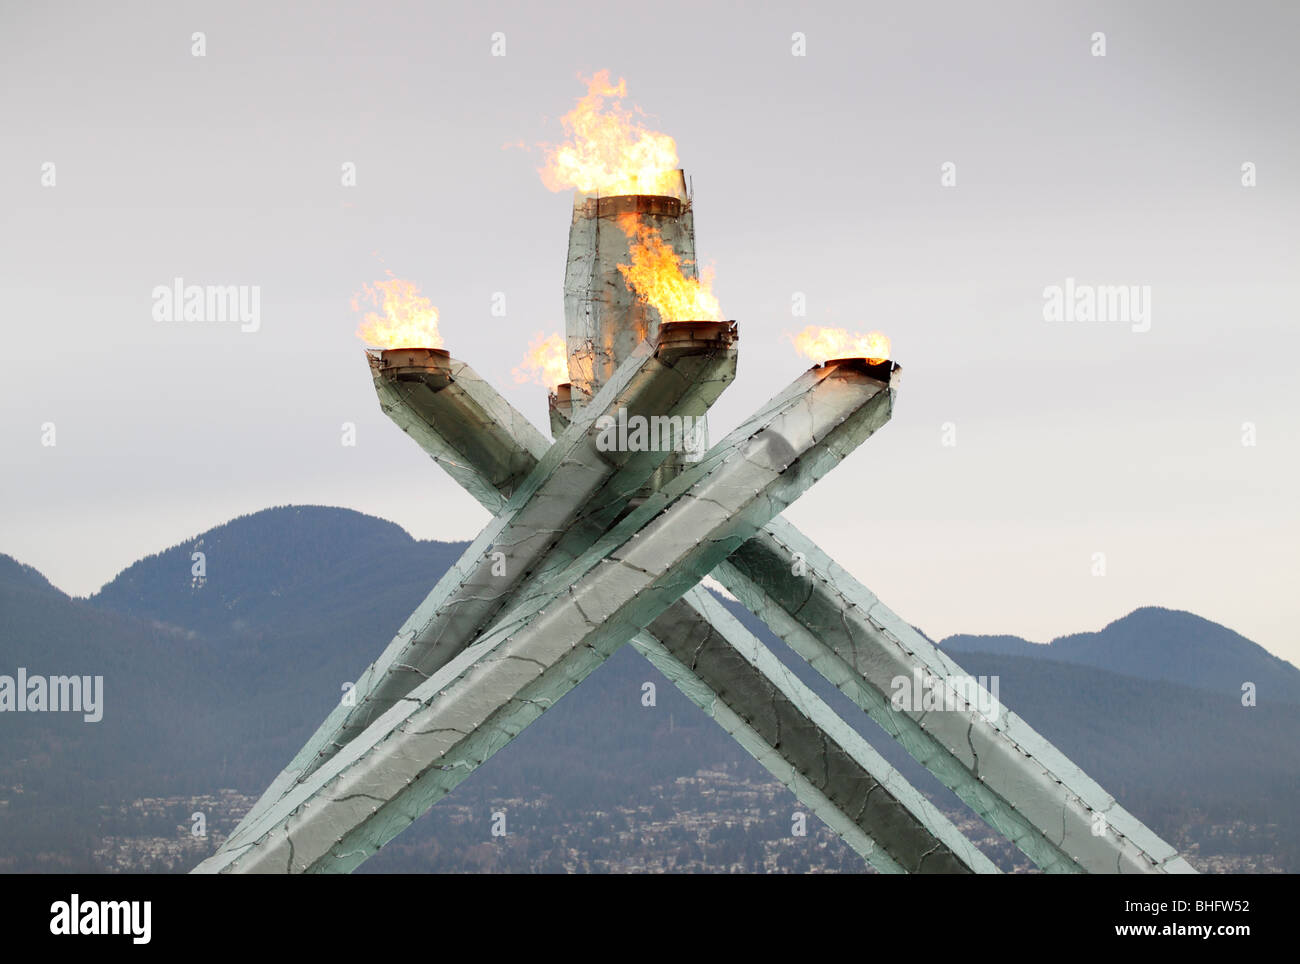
(817, 174)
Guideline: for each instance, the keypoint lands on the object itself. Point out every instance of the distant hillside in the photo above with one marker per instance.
(19, 576)
(275, 569)
(150, 672)
(1159, 644)
(217, 684)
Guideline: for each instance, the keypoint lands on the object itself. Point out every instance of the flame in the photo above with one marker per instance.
(547, 362)
(409, 319)
(655, 274)
(819, 344)
(608, 150)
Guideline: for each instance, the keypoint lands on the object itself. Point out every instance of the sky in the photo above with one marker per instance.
(1039, 477)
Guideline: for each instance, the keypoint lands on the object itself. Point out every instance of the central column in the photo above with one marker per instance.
(603, 318)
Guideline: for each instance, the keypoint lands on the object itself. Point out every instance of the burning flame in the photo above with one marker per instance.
(819, 344)
(547, 362)
(409, 320)
(655, 274)
(608, 150)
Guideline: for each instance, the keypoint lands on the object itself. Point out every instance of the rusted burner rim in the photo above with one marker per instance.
(414, 361)
(612, 206)
(677, 333)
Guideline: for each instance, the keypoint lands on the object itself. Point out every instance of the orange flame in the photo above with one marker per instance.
(820, 344)
(547, 362)
(409, 319)
(655, 274)
(608, 150)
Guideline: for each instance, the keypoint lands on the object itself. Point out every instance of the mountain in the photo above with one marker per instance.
(266, 574)
(18, 576)
(1159, 644)
(215, 681)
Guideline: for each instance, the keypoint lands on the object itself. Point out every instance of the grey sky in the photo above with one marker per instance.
(817, 174)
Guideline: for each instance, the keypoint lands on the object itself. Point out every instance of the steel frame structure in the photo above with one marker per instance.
(591, 547)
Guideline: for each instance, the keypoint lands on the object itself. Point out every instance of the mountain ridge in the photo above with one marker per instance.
(218, 683)
(1154, 642)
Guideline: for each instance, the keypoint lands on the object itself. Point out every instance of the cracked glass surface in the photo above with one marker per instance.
(791, 772)
(736, 680)
(1015, 779)
(568, 486)
(732, 712)
(564, 485)
(839, 625)
(496, 685)
(603, 318)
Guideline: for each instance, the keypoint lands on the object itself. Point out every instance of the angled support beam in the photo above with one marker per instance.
(591, 547)
(466, 426)
(725, 670)
(1015, 779)
(575, 479)
(786, 727)
(760, 575)
(445, 727)
(469, 429)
